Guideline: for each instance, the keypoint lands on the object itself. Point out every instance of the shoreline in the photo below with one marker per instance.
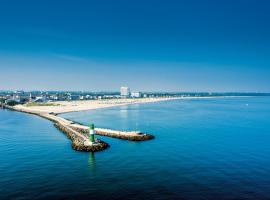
(78, 133)
(61, 107)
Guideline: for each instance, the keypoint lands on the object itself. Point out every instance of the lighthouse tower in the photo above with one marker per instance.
(92, 133)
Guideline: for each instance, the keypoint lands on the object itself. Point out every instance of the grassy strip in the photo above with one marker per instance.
(41, 104)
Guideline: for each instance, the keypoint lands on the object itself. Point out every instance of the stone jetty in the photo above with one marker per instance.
(79, 134)
(79, 141)
(124, 135)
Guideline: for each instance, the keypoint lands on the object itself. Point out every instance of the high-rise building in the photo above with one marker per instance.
(124, 91)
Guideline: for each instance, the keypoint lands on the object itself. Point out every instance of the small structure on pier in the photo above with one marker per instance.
(92, 133)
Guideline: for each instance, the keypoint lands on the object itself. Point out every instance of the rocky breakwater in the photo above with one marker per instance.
(79, 141)
(79, 134)
(124, 135)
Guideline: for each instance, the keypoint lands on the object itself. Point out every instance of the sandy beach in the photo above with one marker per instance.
(83, 105)
(51, 109)
(75, 106)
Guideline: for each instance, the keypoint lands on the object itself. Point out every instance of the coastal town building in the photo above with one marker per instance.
(19, 98)
(125, 92)
(136, 94)
(16, 98)
(74, 97)
(40, 99)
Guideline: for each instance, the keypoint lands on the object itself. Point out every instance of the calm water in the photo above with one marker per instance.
(204, 149)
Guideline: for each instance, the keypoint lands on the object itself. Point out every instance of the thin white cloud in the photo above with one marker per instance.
(71, 58)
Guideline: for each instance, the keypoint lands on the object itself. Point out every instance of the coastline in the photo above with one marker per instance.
(78, 133)
(61, 107)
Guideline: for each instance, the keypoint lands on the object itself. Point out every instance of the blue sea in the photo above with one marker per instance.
(204, 149)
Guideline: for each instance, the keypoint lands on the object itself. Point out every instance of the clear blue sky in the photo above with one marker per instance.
(154, 45)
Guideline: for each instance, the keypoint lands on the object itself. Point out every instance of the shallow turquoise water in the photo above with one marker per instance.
(204, 149)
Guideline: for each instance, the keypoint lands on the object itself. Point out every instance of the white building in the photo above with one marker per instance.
(40, 99)
(136, 94)
(124, 91)
(16, 98)
(74, 97)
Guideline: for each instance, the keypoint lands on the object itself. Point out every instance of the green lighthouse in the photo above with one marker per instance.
(92, 133)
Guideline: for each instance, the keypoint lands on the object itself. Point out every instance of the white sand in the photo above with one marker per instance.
(74, 106)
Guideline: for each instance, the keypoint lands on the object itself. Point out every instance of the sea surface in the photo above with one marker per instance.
(210, 149)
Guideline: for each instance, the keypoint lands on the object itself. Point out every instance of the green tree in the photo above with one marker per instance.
(12, 103)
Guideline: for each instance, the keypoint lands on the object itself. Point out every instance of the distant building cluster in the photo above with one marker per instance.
(21, 97)
(125, 93)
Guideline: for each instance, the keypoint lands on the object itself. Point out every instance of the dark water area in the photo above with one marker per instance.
(204, 149)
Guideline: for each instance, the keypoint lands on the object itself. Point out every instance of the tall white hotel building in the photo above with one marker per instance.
(125, 92)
